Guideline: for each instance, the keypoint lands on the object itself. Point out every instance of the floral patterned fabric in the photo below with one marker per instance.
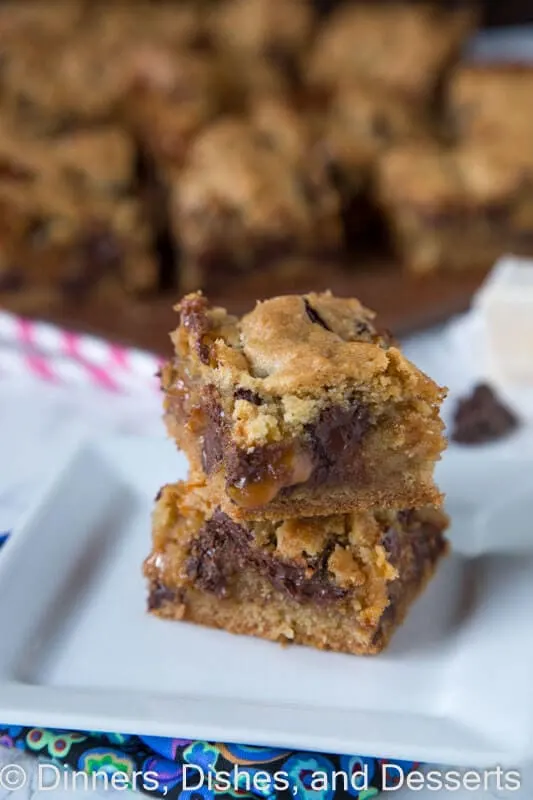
(127, 754)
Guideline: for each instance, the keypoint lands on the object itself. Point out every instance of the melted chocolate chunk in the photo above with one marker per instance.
(224, 548)
(243, 467)
(391, 542)
(213, 432)
(336, 440)
(419, 546)
(194, 319)
(363, 330)
(248, 395)
(314, 316)
(482, 417)
(334, 444)
(160, 594)
(158, 496)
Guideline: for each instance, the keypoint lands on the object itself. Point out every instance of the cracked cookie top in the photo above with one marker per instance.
(302, 346)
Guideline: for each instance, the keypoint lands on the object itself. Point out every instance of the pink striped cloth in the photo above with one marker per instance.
(55, 355)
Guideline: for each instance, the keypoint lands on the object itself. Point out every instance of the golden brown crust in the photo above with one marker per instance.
(267, 616)
(388, 489)
(279, 351)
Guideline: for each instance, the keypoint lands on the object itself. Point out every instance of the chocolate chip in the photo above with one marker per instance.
(406, 517)
(11, 281)
(413, 551)
(482, 417)
(213, 433)
(363, 329)
(391, 542)
(314, 316)
(336, 441)
(158, 496)
(224, 548)
(160, 594)
(248, 395)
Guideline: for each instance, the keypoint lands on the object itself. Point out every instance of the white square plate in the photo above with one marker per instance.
(78, 650)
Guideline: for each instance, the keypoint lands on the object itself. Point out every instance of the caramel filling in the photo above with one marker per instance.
(286, 468)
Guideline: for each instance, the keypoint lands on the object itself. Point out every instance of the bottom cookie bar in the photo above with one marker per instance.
(343, 582)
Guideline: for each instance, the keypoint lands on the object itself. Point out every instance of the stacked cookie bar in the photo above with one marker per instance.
(310, 513)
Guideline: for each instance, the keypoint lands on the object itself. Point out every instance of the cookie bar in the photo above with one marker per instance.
(491, 100)
(53, 83)
(71, 225)
(363, 120)
(406, 46)
(343, 582)
(301, 407)
(74, 77)
(242, 201)
(457, 209)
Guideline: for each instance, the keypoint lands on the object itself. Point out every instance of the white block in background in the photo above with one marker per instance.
(505, 307)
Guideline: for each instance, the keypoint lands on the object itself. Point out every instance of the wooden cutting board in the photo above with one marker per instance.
(404, 303)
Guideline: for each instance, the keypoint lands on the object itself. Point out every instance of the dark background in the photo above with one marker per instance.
(508, 12)
(494, 12)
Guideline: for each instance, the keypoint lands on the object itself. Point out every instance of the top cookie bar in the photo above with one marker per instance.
(301, 407)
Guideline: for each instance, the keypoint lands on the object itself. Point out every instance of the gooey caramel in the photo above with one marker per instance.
(286, 468)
